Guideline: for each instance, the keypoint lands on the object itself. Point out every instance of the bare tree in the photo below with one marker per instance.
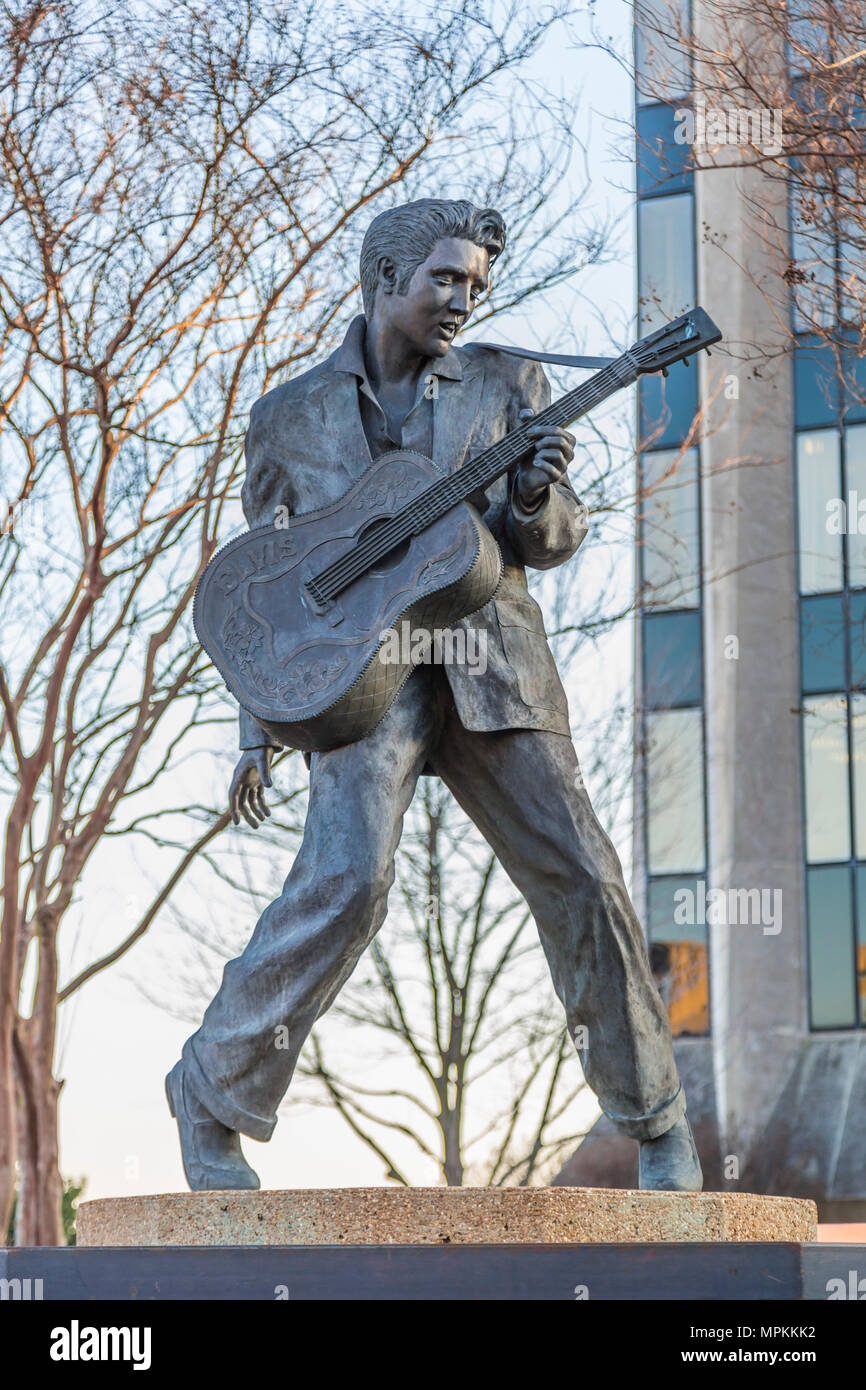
(778, 88)
(184, 189)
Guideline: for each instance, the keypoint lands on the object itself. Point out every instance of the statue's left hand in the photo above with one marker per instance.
(554, 450)
(246, 793)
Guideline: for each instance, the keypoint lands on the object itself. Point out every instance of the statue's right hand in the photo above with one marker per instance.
(247, 791)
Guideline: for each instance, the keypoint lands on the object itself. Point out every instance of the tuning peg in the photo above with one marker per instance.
(707, 351)
(665, 373)
(685, 361)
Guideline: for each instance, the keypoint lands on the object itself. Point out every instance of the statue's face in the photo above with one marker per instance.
(440, 298)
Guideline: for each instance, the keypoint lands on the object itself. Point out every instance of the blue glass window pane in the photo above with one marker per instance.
(678, 953)
(854, 386)
(816, 384)
(831, 948)
(819, 524)
(813, 249)
(662, 66)
(861, 942)
(673, 904)
(675, 815)
(857, 638)
(822, 643)
(666, 259)
(670, 548)
(672, 660)
(667, 407)
(854, 438)
(663, 165)
(809, 42)
(826, 777)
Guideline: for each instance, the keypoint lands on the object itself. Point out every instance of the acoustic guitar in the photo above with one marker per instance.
(295, 617)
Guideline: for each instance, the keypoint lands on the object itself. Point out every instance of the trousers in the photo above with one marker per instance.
(523, 790)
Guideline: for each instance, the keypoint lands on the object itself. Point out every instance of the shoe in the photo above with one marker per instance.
(211, 1152)
(670, 1163)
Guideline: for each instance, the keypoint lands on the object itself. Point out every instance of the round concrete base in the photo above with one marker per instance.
(442, 1216)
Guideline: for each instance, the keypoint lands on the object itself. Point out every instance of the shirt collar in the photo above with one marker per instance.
(349, 356)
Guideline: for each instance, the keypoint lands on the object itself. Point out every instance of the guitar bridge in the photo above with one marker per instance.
(321, 606)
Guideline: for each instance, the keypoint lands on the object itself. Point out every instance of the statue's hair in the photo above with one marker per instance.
(407, 235)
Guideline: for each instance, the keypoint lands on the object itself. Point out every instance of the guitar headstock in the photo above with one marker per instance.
(675, 342)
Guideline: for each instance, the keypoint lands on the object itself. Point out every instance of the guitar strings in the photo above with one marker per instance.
(446, 493)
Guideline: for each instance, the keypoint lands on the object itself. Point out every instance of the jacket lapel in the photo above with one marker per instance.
(341, 421)
(454, 412)
(455, 408)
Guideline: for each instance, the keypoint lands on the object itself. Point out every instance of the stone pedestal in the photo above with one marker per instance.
(381, 1216)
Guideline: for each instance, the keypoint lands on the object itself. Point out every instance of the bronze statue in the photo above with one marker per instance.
(299, 614)
(499, 740)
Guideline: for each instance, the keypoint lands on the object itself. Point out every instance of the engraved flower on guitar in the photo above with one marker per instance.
(307, 678)
(242, 637)
(245, 640)
(311, 677)
(392, 489)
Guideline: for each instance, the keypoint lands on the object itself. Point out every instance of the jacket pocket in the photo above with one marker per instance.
(524, 643)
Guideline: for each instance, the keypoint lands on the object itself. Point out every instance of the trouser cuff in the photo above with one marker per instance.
(657, 1122)
(218, 1103)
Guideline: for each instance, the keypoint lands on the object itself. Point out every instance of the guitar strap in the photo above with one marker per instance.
(560, 359)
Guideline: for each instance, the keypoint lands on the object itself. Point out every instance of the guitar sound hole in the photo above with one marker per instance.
(393, 558)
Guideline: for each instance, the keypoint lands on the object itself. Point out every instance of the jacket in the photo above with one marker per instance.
(306, 445)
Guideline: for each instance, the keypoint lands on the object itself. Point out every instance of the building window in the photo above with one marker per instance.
(675, 791)
(853, 373)
(854, 499)
(670, 551)
(672, 665)
(667, 259)
(822, 642)
(813, 246)
(860, 944)
(825, 768)
(664, 164)
(662, 66)
(816, 383)
(666, 407)
(808, 38)
(856, 624)
(825, 247)
(831, 479)
(819, 484)
(832, 993)
(857, 713)
(677, 932)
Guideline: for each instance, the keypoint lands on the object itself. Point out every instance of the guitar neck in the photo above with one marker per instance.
(473, 477)
(486, 467)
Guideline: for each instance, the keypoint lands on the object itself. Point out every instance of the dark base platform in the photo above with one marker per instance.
(725, 1271)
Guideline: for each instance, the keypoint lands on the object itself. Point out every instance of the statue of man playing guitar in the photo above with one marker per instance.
(498, 738)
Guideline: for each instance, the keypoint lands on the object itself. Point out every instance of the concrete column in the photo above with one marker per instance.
(750, 633)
